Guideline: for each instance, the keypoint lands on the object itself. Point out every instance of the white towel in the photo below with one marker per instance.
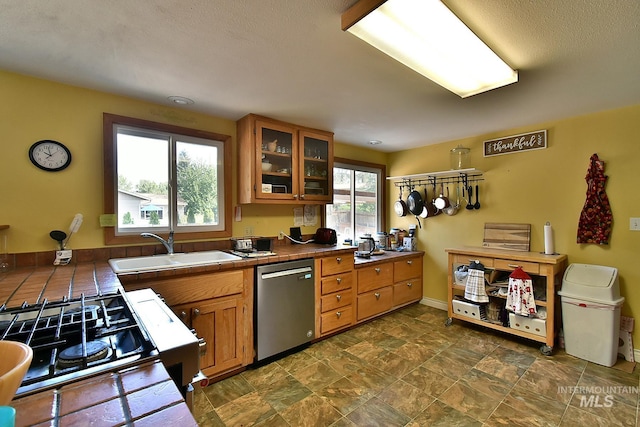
(474, 288)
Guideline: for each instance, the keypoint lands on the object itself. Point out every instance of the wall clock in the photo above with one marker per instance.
(49, 155)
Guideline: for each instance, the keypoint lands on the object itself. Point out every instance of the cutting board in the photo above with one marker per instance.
(515, 237)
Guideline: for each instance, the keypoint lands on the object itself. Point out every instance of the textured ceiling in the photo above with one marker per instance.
(289, 60)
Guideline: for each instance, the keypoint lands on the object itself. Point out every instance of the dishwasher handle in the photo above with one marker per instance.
(305, 273)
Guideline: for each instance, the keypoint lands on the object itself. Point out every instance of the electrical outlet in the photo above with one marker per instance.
(634, 224)
(248, 231)
(281, 235)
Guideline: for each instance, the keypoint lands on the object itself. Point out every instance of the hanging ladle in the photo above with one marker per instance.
(59, 237)
(470, 195)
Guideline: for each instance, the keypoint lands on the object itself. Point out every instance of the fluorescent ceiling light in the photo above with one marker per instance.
(427, 37)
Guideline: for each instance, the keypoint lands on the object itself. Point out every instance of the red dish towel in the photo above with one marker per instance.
(596, 217)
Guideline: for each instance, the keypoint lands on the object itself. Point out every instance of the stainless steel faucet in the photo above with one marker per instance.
(168, 244)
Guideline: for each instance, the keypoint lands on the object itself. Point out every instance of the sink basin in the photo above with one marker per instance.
(164, 262)
(16, 358)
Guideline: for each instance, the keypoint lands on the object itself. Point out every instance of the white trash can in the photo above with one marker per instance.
(591, 305)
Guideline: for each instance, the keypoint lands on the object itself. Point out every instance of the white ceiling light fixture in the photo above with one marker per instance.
(180, 100)
(428, 38)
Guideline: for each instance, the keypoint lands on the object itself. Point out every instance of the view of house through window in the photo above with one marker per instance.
(167, 181)
(357, 201)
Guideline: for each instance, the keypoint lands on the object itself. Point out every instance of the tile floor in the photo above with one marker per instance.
(408, 369)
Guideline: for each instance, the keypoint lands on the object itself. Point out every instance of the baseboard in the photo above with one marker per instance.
(435, 303)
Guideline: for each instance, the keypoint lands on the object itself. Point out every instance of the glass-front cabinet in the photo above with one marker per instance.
(281, 162)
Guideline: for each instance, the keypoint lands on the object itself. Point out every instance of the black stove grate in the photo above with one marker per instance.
(51, 327)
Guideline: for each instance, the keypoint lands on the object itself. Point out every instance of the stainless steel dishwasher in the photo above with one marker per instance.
(285, 311)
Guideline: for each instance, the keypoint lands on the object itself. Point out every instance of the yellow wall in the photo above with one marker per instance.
(538, 186)
(531, 187)
(35, 202)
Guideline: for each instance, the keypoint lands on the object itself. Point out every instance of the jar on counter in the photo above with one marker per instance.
(382, 239)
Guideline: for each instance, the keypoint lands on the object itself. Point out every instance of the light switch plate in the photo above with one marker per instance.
(634, 224)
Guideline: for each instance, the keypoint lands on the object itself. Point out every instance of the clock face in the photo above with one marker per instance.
(50, 155)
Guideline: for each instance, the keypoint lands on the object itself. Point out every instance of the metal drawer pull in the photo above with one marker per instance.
(183, 315)
(338, 297)
(339, 280)
(338, 313)
(377, 269)
(338, 260)
(196, 312)
(410, 262)
(513, 265)
(409, 284)
(377, 294)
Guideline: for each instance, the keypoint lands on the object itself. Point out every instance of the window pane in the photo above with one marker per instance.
(339, 215)
(197, 171)
(366, 194)
(143, 195)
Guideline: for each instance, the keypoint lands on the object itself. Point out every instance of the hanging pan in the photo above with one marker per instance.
(414, 202)
(400, 207)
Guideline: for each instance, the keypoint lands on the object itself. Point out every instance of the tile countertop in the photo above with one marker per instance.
(144, 394)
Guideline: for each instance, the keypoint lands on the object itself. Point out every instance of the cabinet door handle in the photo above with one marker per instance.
(409, 284)
(377, 270)
(183, 315)
(196, 312)
(338, 260)
(338, 313)
(410, 262)
(202, 345)
(302, 196)
(339, 280)
(377, 295)
(338, 297)
(295, 196)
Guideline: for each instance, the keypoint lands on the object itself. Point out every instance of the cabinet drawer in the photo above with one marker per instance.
(335, 319)
(375, 277)
(466, 259)
(336, 264)
(406, 291)
(375, 302)
(407, 269)
(505, 264)
(336, 283)
(336, 300)
(196, 287)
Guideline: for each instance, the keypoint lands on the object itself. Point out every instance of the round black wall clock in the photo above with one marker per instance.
(49, 155)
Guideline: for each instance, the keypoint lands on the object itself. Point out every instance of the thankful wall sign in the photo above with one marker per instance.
(516, 143)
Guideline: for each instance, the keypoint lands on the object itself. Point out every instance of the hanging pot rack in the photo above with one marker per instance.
(465, 177)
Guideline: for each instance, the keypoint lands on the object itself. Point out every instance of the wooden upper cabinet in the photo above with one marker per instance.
(280, 162)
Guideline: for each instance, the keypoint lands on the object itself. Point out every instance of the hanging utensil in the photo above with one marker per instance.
(59, 237)
(441, 201)
(470, 195)
(452, 209)
(75, 225)
(477, 205)
(414, 202)
(400, 207)
(425, 205)
(433, 202)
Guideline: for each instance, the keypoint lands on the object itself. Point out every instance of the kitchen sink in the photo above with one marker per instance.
(165, 262)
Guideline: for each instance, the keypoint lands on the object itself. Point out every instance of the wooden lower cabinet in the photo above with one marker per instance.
(384, 286)
(218, 306)
(334, 294)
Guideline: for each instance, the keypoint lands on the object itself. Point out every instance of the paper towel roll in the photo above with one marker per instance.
(548, 239)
